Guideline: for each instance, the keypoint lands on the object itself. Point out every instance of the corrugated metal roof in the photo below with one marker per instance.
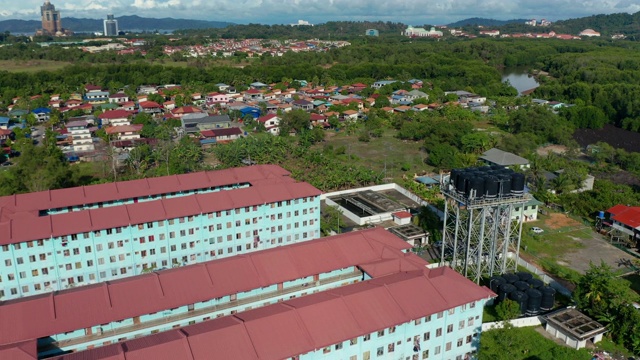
(85, 306)
(313, 322)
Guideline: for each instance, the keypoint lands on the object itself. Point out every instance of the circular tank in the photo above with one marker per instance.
(491, 186)
(535, 283)
(495, 282)
(497, 167)
(504, 290)
(521, 298)
(521, 285)
(524, 276)
(548, 297)
(484, 169)
(476, 183)
(505, 184)
(510, 278)
(461, 182)
(454, 176)
(534, 301)
(517, 183)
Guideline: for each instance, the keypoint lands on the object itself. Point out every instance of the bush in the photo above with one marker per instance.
(508, 309)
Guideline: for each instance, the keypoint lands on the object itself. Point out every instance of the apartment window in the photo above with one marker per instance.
(392, 330)
(161, 236)
(183, 233)
(470, 321)
(171, 221)
(449, 328)
(367, 337)
(76, 251)
(452, 311)
(149, 225)
(68, 267)
(142, 240)
(438, 332)
(65, 252)
(391, 348)
(7, 262)
(353, 341)
(19, 261)
(101, 261)
(339, 346)
(181, 220)
(447, 346)
(461, 325)
(425, 354)
(472, 305)
(45, 271)
(34, 272)
(112, 259)
(418, 321)
(89, 263)
(459, 343)
(87, 249)
(172, 234)
(427, 318)
(469, 339)
(326, 350)
(437, 350)
(380, 351)
(440, 314)
(426, 336)
(99, 247)
(380, 333)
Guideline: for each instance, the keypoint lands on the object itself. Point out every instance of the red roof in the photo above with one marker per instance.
(186, 110)
(267, 117)
(402, 214)
(227, 131)
(115, 114)
(85, 306)
(124, 129)
(312, 322)
(149, 105)
(627, 215)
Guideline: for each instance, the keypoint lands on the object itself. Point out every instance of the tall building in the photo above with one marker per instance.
(110, 26)
(51, 22)
(58, 239)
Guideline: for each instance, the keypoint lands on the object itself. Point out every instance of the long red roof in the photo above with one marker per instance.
(47, 314)
(627, 215)
(312, 322)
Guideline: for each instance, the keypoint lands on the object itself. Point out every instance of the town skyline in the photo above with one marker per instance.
(268, 12)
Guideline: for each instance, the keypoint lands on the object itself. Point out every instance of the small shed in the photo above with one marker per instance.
(414, 235)
(401, 217)
(427, 180)
(574, 327)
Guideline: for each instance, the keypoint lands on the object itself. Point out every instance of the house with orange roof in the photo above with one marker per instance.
(349, 115)
(125, 132)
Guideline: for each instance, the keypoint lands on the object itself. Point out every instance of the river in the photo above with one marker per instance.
(519, 79)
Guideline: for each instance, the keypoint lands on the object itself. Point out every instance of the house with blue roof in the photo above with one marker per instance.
(4, 122)
(250, 111)
(42, 114)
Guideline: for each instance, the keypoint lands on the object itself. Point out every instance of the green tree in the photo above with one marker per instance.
(330, 220)
(508, 309)
(443, 156)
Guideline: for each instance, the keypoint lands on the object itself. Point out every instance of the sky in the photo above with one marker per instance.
(411, 12)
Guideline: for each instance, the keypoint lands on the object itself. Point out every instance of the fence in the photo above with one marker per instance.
(545, 278)
(521, 322)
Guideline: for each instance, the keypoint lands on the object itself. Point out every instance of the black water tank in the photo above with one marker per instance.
(534, 302)
(548, 297)
(524, 276)
(461, 182)
(484, 169)
(495, 282)
(522, 285)
(517, 183)
(505, 184)
(536, 283)
(497, 167)
(504, 291)
(491, 186)
(454, 176)
(521, 298)
(510, 278)
(477, 184)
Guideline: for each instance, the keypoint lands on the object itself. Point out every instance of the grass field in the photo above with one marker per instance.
(32, 65)
(386, 150)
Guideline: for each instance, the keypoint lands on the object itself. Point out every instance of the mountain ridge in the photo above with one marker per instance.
(131, 22)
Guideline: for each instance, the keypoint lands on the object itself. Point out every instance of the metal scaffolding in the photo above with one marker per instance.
(479, 236)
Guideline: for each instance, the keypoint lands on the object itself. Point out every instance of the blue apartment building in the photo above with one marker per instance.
(59, 239)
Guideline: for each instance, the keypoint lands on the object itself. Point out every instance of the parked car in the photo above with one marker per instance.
(537, 230)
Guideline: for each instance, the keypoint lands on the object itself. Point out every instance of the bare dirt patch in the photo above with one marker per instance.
(558, 221)
(616, 137)
(546, 150)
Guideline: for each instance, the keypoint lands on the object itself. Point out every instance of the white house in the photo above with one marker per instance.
(81, 136)
(271, 122)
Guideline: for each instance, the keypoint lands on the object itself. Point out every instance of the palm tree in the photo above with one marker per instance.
(561, 183)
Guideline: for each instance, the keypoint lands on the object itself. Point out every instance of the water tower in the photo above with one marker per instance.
(483, 220)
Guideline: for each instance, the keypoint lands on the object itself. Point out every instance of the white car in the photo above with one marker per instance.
(537, 230)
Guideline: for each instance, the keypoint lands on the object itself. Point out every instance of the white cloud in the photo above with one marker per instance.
(317, 11)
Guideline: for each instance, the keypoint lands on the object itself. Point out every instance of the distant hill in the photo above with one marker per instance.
(621, 23)
(485, 22)
(124, 23)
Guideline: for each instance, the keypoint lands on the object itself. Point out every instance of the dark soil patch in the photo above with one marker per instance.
(616, 137)
(619, 177)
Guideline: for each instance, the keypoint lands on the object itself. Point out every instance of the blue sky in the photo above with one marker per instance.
(414, 12)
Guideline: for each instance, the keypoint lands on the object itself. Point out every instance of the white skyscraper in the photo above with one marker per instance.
(110, 26)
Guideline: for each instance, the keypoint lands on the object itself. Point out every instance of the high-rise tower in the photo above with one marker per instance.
(110, 26)
(51, 22)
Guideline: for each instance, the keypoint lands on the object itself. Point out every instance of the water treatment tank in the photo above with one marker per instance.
(504, 291)
(461, 182)
(536, 283)
(524, 276)
(521, 298)
(534, 301)
(510, 278)
(505, 184)
(495, 282)
(522, 285)
(476, 184)
(548, 297)
(491, 186)
(453, 176)
(517, 183)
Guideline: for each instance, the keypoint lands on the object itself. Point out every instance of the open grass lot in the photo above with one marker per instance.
(32, 65)
(567, 246)
(386, 149)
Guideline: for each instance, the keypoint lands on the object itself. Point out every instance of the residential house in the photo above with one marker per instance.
(71, 103)
(118, 98)
(193, 124)
(114, 118)
(81, 136)
(271, 123)
(184, 110)
(259, 86)
(150, 107)
(216, 98)
(349, 115)
(381, 83)
(41, 114)
(222, 86)
(4, 122)
(6, 134)
(417, 94)
(503, 158)
(252, 95)
(222, 134)
(626, 219)
(169, 105)
(420, 107)
(125, 132)
(319, 120)
(528, 211)
(285, 107)
(96, 97)
(128, 106)
(302, 104)
(402, 109)
(147, 89)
